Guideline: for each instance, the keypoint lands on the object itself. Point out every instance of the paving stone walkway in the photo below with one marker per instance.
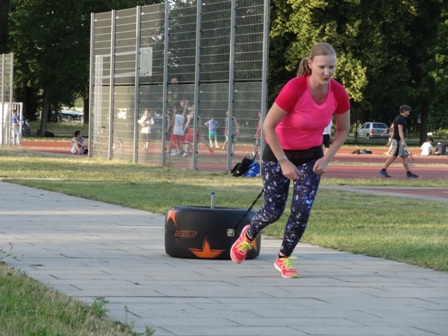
(87, 249)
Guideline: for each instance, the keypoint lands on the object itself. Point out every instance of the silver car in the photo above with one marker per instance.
(370, 130)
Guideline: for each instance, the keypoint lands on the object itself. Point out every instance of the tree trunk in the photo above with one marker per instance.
(4, 9)
(424, 121)
(45, 112)
(86, 99)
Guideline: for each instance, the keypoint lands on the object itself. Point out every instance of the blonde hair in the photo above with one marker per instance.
(320, 49)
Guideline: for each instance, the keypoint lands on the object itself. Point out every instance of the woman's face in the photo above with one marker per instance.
(322, 68)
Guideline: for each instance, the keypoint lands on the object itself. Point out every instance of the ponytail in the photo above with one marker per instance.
(304, 68)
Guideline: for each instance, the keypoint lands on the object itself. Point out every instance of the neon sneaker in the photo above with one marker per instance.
(241, 247)
(285, 266)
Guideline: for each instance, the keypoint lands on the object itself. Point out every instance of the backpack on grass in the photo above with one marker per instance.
(241, 168)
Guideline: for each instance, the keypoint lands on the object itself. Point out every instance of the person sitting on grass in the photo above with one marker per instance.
(427, 147)
(79, 145)
(440, 149)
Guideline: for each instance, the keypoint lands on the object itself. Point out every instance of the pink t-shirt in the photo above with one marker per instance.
(304, 123)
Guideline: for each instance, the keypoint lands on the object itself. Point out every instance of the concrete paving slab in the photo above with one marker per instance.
(87, 249)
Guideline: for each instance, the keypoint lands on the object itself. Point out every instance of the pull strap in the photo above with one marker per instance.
(249, 209)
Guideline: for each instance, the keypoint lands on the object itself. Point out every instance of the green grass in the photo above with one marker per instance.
(27, 307)
(401, 229)
(59, 129)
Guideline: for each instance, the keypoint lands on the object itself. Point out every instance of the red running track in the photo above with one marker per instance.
(344, 166)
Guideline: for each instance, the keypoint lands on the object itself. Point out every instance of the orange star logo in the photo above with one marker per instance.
(255, 246)
(171, 215)
(206, 252)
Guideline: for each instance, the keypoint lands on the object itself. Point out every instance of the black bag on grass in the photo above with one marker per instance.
(242, 167)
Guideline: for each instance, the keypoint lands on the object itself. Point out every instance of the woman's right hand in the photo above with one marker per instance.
(289, 170)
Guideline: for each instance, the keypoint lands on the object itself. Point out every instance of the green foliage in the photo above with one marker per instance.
(389, 54)
(51, 43)
(97, 308)
(5, 253)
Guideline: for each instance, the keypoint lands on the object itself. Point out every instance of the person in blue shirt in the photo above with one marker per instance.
(16, 138)
(212, 125)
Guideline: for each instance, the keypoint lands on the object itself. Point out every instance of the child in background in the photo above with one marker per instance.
(212, 125)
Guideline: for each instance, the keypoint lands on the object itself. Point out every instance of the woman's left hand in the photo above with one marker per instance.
(320, 167)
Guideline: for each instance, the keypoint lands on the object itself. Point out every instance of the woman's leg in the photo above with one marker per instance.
(305, 189)
(276, 188)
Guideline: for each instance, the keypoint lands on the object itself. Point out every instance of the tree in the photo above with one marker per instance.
(51, 40)
(4, 8)
(438, 70)
(386, 49)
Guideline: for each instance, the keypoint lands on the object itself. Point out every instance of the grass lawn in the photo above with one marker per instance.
(401, 229)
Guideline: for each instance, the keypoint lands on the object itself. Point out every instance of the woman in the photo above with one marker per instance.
(293, 129)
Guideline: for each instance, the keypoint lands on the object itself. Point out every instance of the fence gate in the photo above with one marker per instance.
(6, 97)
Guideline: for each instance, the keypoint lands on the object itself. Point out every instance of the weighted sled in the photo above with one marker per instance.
(203, 233)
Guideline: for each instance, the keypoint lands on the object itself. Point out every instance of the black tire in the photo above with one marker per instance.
(368, 136)
(203, 233)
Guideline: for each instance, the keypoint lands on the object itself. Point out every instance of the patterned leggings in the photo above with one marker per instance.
(276, 189)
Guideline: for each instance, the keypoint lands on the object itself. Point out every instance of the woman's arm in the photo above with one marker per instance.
(187, 123)
(274, 116)
(342, 129)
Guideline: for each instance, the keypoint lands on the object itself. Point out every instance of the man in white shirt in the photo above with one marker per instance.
(427, 147)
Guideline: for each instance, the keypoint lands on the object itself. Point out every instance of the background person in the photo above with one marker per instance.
(440, 149)
(79, 144)
(399, 146)
(257, 135)
(230, 132)
(327, 136)
(389, 131)
(189, 134)
(293, 129)
(426, 147)
(177, 137)
(15, 123)
(212, 125)
(145, 122)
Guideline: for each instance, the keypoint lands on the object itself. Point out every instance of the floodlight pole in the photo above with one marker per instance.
(264, 74)
(230, 104)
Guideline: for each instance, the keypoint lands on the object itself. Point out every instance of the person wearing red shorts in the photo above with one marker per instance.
(177, 137)
(189, 134)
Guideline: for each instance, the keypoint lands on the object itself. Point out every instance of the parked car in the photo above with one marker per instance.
(66, 115)
(370, 130)
(26, 128)
(71, 115)
(157, 126)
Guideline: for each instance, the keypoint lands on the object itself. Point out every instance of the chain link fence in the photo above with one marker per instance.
(184, 63)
